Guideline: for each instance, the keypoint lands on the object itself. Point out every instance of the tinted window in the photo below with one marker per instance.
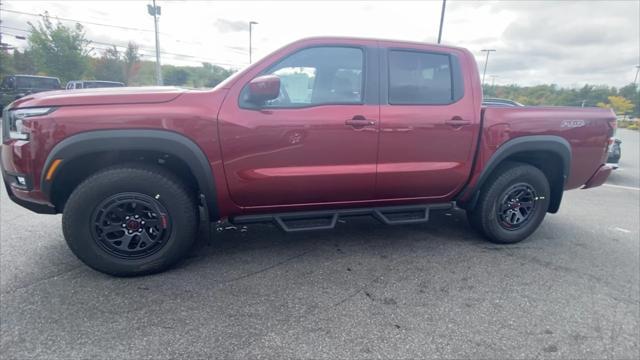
(315, 76)
(101, 84)
(419, 78)
(28, 82)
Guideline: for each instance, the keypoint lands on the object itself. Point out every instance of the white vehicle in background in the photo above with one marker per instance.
(92, 84)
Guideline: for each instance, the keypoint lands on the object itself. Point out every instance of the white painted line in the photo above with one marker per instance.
(622, 187)
(622, 230)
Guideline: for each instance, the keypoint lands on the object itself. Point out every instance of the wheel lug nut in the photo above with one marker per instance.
(126, 218)
(124, 225)
(142, 222)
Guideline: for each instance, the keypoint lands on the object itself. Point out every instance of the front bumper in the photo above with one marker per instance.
(36, 207)
(599, 177)
(24, 197)
(28, 194)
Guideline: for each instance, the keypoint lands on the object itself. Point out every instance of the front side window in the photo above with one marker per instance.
(316, 76)
(419, 78)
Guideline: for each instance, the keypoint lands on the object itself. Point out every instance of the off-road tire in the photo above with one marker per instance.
(152, 184)
(484, 217)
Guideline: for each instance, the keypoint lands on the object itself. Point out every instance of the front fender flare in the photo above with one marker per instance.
(168, 142)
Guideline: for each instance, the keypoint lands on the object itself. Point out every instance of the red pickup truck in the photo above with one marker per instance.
(321, 129)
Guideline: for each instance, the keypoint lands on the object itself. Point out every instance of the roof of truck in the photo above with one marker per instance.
(360, 39)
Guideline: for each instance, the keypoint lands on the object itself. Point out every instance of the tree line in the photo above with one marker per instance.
(54, 49)
(624, 100)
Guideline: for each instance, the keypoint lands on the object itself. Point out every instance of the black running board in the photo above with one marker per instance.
(327, 219)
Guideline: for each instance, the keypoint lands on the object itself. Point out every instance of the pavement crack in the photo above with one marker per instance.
(268, 267)
(351, 295)
(45, 279)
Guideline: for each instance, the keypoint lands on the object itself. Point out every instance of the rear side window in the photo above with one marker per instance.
(419, 78)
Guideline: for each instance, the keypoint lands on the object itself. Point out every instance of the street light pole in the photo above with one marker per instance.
(154, 10)
(485, 63)
(444, 4)
(251, 23)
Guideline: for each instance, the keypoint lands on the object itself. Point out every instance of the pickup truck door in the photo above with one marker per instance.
(317, 142)
(428, 123)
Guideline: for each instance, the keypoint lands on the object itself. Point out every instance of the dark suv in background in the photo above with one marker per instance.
(16, 86)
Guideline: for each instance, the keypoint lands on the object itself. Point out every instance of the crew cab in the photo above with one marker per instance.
(321, 129)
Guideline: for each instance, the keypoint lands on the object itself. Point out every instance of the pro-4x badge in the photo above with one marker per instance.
(572, 123)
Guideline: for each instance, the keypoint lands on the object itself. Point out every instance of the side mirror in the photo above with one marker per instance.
(264, 88)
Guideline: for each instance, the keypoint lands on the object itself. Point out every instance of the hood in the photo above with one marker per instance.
(100, 96)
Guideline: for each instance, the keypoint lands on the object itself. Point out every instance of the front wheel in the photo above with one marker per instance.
(512, 204)
(130, 220)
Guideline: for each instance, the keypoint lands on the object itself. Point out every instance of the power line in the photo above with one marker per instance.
(196, 58)
(84, 22)
(78, 21)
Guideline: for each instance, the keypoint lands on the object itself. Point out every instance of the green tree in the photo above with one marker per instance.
(131, 63)
(6, 62)
(632, 92)
(174, 75)
(58, 50)
(619, 104)
(23, 63)
(110, 66)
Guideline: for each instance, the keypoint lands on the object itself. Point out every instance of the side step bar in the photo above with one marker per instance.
(327, 219)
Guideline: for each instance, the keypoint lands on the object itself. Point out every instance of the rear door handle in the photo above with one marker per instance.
(359, 121)
(457, 121)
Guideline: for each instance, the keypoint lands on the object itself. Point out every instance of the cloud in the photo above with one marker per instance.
(569, 43)
(226, 26)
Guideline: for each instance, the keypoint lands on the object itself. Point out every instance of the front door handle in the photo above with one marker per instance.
(359, 121)
(457, 121)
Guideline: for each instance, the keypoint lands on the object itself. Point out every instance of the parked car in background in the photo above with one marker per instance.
(321, 129)
(499, 102)
(614, 153)
(92, 84)
(16, 86)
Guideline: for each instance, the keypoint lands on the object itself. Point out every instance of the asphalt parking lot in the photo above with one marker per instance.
(361, 291)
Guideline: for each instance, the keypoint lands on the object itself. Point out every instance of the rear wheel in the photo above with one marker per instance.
(512, 204)
(130, 220)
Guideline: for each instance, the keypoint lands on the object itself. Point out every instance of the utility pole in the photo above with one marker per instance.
(154, 10)
(485, 63)
(493, 80)
(1, 46)
(635, 80)
(444, 4)
(251, 23)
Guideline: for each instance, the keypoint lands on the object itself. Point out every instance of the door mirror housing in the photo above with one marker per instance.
(264, 88)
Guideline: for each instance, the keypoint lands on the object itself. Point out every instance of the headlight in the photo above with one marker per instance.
(14, 124)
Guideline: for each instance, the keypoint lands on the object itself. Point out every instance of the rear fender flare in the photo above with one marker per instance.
(524, 144)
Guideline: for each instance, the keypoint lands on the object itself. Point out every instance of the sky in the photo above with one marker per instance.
(569, 43)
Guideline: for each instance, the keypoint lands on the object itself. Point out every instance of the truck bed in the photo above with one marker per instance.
(587, 130)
